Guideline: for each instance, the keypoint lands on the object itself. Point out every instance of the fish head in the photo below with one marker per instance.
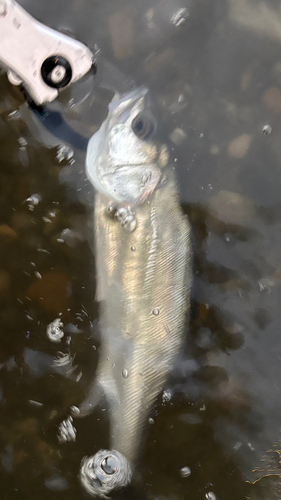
(124, 160)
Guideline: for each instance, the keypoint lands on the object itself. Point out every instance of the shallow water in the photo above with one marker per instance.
(215, 80)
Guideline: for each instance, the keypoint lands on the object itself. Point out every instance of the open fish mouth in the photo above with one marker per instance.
(128, 100)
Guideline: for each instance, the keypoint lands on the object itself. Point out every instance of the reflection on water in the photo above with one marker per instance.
(215, 78)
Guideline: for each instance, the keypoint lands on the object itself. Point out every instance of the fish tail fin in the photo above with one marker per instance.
(104, 472)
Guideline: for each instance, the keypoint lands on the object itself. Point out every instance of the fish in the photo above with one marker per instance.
(143, 265)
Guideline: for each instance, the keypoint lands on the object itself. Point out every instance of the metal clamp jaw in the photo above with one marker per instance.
(40, 58)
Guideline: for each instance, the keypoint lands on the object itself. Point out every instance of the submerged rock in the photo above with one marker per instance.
(52, 291)
(232, 208)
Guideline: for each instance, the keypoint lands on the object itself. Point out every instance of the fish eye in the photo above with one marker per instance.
(143, 126)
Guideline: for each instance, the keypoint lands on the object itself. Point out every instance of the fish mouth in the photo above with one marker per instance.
(123, 104)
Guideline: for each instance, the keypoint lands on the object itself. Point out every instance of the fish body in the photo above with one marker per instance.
(143, 264)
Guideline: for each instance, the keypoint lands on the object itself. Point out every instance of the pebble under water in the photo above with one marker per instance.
(214, 71)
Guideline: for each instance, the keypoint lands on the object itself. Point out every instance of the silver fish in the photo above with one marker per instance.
(143, 263)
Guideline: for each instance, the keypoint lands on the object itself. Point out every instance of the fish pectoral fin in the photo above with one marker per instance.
(92, 400)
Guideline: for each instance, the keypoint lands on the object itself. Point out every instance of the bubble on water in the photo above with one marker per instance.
(237, 446)
(74, 410)
(125, 373)
(156, 311)
(267, 129)
(104, 472)
(177, 104)
(133, 248)
(35, 403)
(43, 250)
(70, 237)
(64, 153)
(67, 431)
(109, 465)
(166, 396)
(210, 496)
(111, 211)
(63, 359)
(127, 218)
(185, 472)
(130, 223)
(266, 284)
(22, 142)
(120, 213)
(71, 103)
(33, 201)
(14, 115)
(55, 330)
(151, 421)
(180, 17)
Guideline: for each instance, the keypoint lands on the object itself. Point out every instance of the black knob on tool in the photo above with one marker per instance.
(56, 72)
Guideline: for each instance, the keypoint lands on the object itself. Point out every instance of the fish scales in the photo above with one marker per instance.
(134, 283)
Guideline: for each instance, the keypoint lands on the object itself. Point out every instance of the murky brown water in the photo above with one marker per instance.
(216, 83)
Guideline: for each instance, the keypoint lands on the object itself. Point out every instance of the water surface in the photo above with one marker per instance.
(215, 79)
